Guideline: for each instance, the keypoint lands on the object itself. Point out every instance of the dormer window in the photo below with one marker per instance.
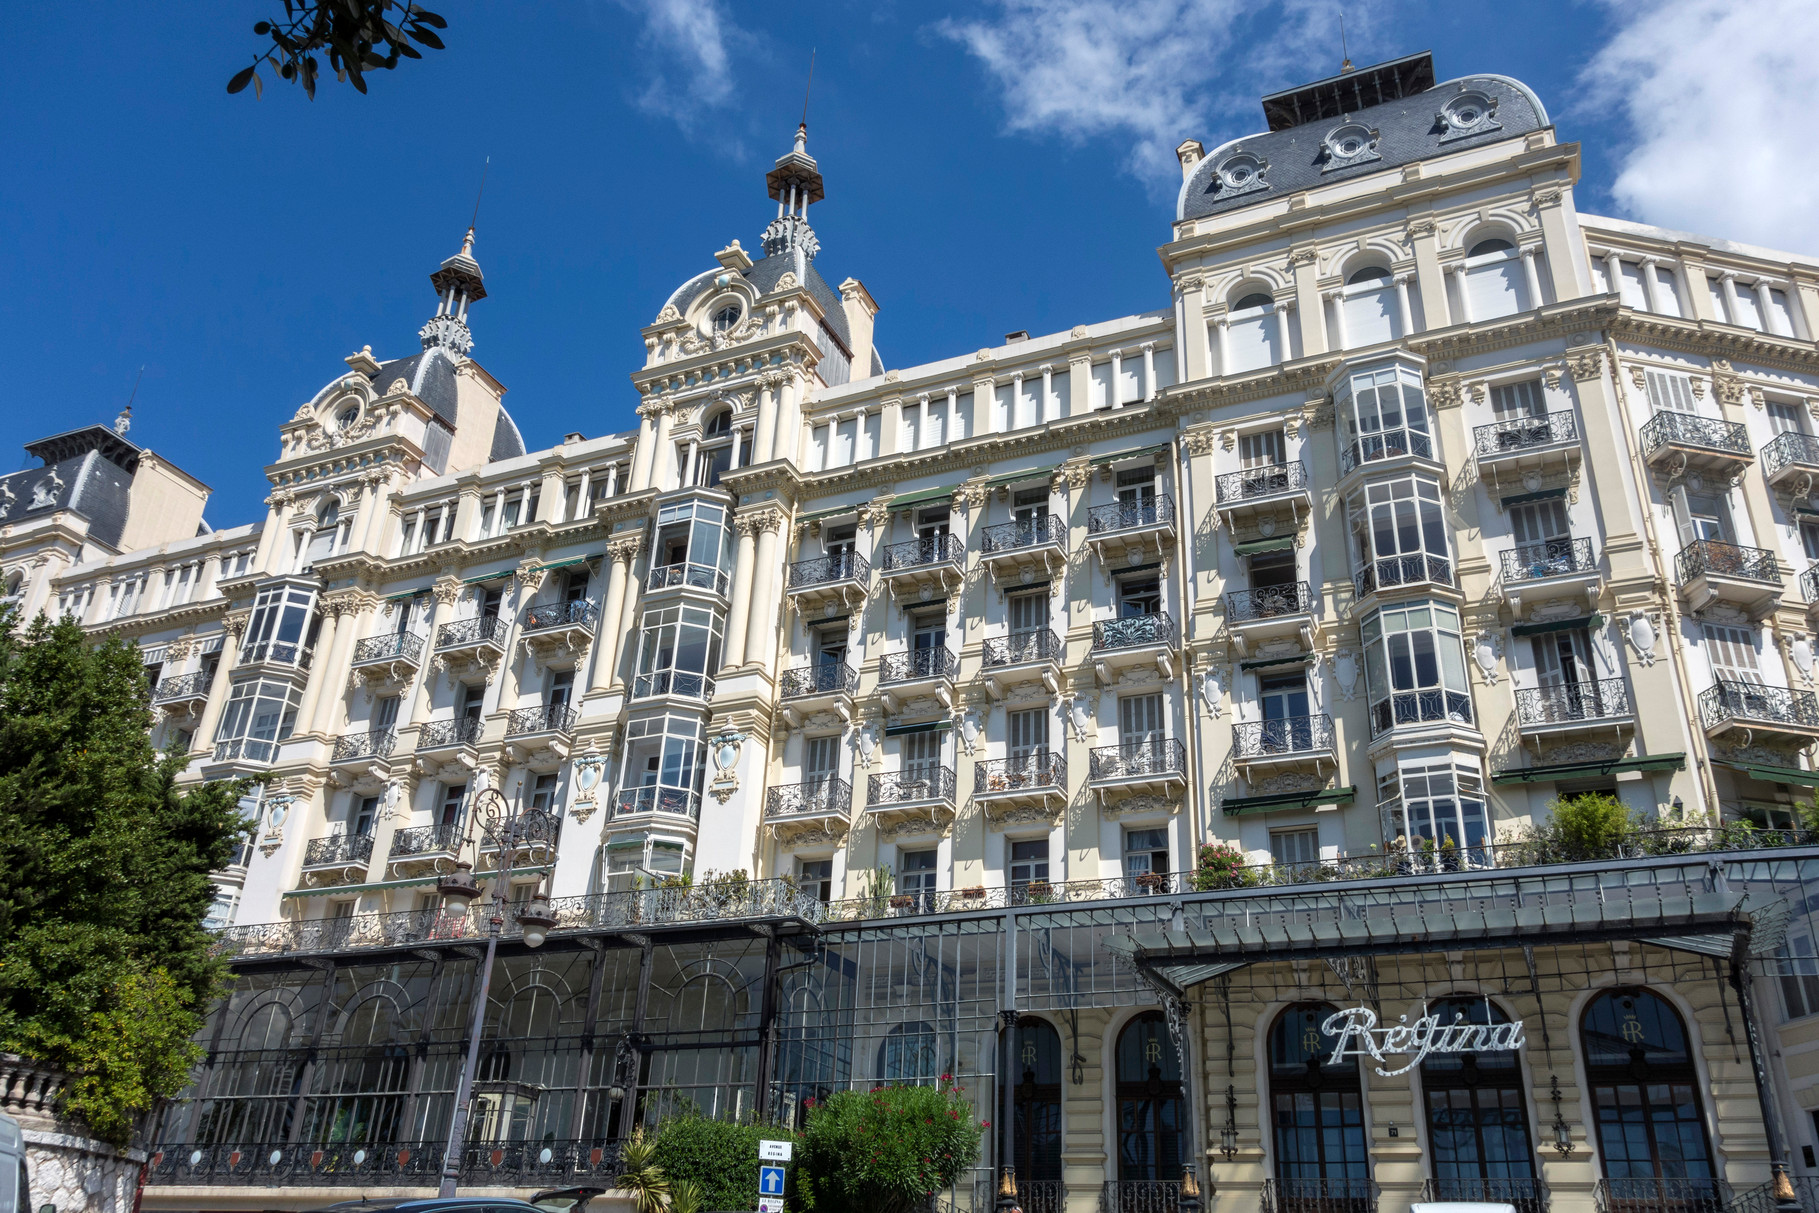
(726, 318)
(1469, 113)
(348, 417)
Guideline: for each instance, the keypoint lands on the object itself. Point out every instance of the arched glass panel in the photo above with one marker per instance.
(909, 1054)
(1493, 245)
(1646, 1097)
(1036, 1140)
(1152, 1109)
(1477, 1115)
(1316, 1113)
(1370, 273)
(1255, 299)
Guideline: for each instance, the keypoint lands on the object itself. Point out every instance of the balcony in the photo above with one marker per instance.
(441, 735)
(1791, 464)
(1157, 767)
(684, 575)
(841, 579)
(1382, 446)
(1271, 612)
(1809, 589)
(658, 802)
(184, 695)
(924, 794)
(1650, 1194)
(425, 844)
(241, 755)
(1527, 1195)
(385, 664)
(358, 755)
(1769, 713)
(559, 633)
(926, 568)
(824, 687)
(1284, 489)
(1711, 572)
(277, 657)
(1022, 788)
(925, 675)
(824, 804)
(1404, 709)
(1136, 1196)
(1024, 553)
(1320, 1195)
(1131, 532)
(681, 683)
(1553, 568)
(1676, 443)
(472, 645)
(532, 836)
(1509, 451)
(1293, 743)
(539, 736)
(342, 856)
(1575, 709)
(1023, 657)
(1135, 640)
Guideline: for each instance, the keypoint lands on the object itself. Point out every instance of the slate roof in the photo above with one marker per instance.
(764, 276)
(87, 471)
(431, 375)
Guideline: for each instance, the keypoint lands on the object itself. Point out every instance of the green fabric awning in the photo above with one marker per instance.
(922, 496)
(1558, 625)
(1279, 543)
(1121, 456)
(501, 575)
(1788, 775)
(1041, 473)
(1573, 770)
(1240, 805)
(572, 560)
(904, 730)
(1264, 663)
(1526, 498)
(406, 594)
(338, 890)
(832, 512)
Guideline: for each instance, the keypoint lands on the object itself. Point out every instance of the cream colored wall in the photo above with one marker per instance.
(164, 505)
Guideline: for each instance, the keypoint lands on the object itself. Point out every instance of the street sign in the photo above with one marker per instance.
(775, 1151)
(770, 1181)
(770, 1204)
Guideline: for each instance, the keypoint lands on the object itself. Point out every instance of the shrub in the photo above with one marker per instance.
(1220, 866)
(719, 1157)
(1593, 825)
(886, 1150)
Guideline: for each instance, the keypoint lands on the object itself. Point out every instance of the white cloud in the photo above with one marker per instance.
(1718, 100)
(686, 57)
(1154, 72)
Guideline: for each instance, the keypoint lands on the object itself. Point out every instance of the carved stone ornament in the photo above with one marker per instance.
(44, 493)
(1444, 393)
(1293, 781)
(1583, 751)
(1585, 364)
(724, 750)
(1345, 673)
(1800, 652)
(1641, 636)
(1136, 806)
(1486, 651)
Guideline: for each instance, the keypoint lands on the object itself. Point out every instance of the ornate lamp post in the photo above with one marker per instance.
(506, 827)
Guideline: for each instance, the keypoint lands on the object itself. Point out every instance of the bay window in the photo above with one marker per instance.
(679, 651)
(1414, 666)
(1434, 814)
(260, 714)
(665, 760)
(1384, 414)
(1399, 535)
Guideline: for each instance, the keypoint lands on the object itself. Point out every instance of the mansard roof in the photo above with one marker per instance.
(87, 471)
(431, 375)
(764, 276)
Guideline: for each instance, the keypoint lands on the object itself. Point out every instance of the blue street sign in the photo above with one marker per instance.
(770, 1181)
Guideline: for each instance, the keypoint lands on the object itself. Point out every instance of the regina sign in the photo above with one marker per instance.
(1359, 1036)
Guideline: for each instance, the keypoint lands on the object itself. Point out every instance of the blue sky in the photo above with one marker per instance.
(990, 167)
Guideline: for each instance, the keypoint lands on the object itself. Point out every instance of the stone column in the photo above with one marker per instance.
(1404, 312)
(1337, 299)
(764, 437)
(218, 690)
(1190, 329)
(442, 596)
(1422, 235)
(276, 524)
(1765, 304)
(645, 452)
(1457, 270)
(321, 669)
(740, 616)
(761, 629)
(1562, 243)
(625, 553)
(1284, 336)
(1149, 365)
(955, 431)
(1727, 286)
(612, 606)
(467, 512)
(1046, 411)
(1532, 280)
(1116, 396)
(789, 415)
(1222, 343)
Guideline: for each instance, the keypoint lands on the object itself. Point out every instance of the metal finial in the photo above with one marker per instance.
(809, 86)
(1345, 54)
(124, 421)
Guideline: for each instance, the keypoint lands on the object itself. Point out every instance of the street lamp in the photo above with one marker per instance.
(507, 828)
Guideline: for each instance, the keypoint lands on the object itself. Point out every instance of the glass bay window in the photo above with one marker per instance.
(1399, 535)
(694, 547)
(1414, 666)
(680, 649)
(665, 761)
(1384, 414)
(1434, 813)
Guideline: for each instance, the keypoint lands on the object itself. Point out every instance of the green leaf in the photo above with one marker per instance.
(242, 78)
(428, 39)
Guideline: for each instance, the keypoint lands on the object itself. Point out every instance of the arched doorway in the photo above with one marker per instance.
(1477, 1117)
(1647, 1104)
(1035, 1146)
(1317, 1117)
(1152, 1108)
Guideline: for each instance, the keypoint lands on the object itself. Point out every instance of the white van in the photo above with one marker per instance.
(15, 1188)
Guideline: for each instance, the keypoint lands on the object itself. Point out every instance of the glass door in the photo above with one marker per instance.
(1287, 726)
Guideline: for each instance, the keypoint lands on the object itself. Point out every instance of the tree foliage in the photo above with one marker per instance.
(886, 1150)
(358, 36)
(104, 865)
(718, 1157)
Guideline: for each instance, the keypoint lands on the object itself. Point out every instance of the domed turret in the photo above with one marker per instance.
(458, 283)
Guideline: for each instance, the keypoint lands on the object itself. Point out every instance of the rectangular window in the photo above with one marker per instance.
(1140, 719)
(916, 872)
(1029, 506)
(1563, 659)
(933, 523)
(1512, 401)
(1028, 733)
(817, 878)
(820, 758)
(1145, 852)
(1733, 654)
(543, 793)
(1669, 391)
(453, 795)
(1538, 522)
(561, 687)
(1270, 569)
(1799, 967)
(1029, 861)
(385, 714)
(571, 500)
(471, 699)
(1137, 488)
(1809, 538)
(1139, 596)
(1786, 418)
(1261, 450)
(1295, 846)
(921, 756)
(364, 814)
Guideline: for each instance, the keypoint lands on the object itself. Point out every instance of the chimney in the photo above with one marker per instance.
(1190, 153)
(1019, 335)
(860, 307)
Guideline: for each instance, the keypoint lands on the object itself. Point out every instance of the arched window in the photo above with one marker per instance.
(1477, 1116)
(1317, 1114)
(1493, 245)
(1254, 299)
(1370, 273)
(348, 416)
(726, 318)
(363, 1080)
(719, 423)
(1646, 1098)
(1036, 1140)
(909, 1054)
(1152, 1108)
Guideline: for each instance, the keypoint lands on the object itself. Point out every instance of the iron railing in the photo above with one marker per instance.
(696, 576)
(1262, 481)
(368, 1165)
(546, 615)
(930, 549)
(1139, 1196)
(678, 802)
(1019, 647)
(1135, 759)
(1040, 1195)
(530, 828)
(1289, 735)
(542, 718)
(1762, 1199)
(824, 678)
(824, 570)
(1420, 707)
(375, 744)
(1320, 1195)
(1012, 536)
(815, 798)
(1134, 631)
(277, 652)
(1592, 699)
(1524, 433)
(917, 663)
(487, 629)
(1040, 769)
(1270, 602)
(338, 848)
(1127, 515)
(1652, 1194)
(1669, 428)
(1390, 444)
(439, 733)
(246, 749)
(1708, 557)
(1727, 701)
(1549, 558)
(1789, 449)
(195, 686)
(1809, 584)
(426, 840)
(910, 787)
(1392, 571)
(673, 682)
(393, 646)
(1527, 1195)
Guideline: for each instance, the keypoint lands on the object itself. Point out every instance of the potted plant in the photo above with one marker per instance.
(973, 893)
(902, 901)
(1152, 882)
(1219, 865)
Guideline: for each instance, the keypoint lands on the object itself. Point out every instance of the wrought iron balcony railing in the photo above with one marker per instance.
(697, 576)
(1524, 433)
(815, 798)
(439, 733)
(1019, 647)
(1035, 1196)
(487, 629)
(909, 787)
(195, 686)
(1549, 558)
(1809, 583)
(541, 718)
(1390, 444)
(929, 550)
(1262, 481)
(1420, 707)
(393, 646)
(825, 678)
(824, 570)
(1669, 428)
(382, 1164)
(1135, 759)
(1788, 450)
(1139, 1196)
(1011, 536)
(1040, 769)
(546, 615)
(247, 749)
(673, 682)
(1393, 571)
(1128, 515)
(1133, 631)
(1289, 735)
(1598, 699)
(1336, 1194)
(1654, 1194)
(1708, 557)
(678, 802)
(338, 848)
(1270, 602)
(426, 840)
(916, 664)
(530, 828)
(375, 744)
(1726, 701)
(1527, 1195)
(277, 652)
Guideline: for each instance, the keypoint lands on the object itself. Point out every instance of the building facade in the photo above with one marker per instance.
(1094, 716)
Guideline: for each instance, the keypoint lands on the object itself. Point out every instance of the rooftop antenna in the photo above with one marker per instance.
(810, 85)
(479, 194)
(124, 421)
(1345, 55)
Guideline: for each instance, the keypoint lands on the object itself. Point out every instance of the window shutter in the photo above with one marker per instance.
(1669, 391)
(1683, 517)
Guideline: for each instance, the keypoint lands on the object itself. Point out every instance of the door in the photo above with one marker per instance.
(928, 645)
(1029, 626)
(1544, 547)
(921, 758)
(1141, 736)
(1028, 509)
(1152, 1109)
(820, 768)
(385, 714)
(1137, 497)
(1738, 678)
(917, 877)
(1028, 748)
(1264, 460)
(1287, 726)
(1036, 1133)
(1295, 848)
(561, 688)
(1564, 671)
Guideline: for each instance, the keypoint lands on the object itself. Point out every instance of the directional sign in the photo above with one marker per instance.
(770, 1181)
(775, 1151)
(770, 1204)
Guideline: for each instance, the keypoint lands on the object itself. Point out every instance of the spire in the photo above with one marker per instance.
(794, 184)
(458, 283)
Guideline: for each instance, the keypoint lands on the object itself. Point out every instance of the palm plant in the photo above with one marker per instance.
(686, 1196)
(641, 1176)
